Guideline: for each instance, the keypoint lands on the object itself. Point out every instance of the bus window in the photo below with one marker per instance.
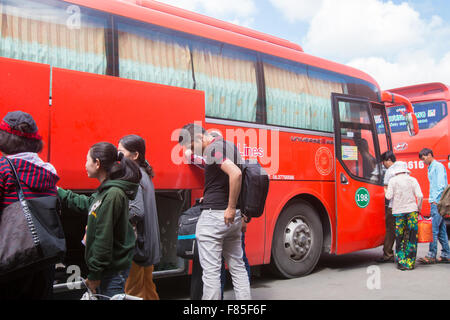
(147, 53)
(228, 78)
(428, 114)
(381, 123)
(357, 141)
(296, 99)
(54, 33)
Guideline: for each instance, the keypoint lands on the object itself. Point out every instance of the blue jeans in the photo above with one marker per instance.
(113, 283)
(439, 233)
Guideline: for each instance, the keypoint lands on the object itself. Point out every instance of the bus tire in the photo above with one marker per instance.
(297, 241)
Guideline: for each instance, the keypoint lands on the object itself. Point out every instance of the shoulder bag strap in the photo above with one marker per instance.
(26, 209)
(20, 194)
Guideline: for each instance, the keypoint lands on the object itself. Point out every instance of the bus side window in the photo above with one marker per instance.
(358, 145)
(228, 78)
(298, 99)
(147, 53)
(55, 33)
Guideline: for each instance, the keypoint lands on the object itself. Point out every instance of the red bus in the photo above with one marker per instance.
(430, 103)
(92, 71)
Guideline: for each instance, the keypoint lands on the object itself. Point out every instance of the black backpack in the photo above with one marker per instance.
(187, 224)
(254, 189)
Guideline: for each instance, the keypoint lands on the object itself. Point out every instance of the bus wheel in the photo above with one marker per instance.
(297, 241)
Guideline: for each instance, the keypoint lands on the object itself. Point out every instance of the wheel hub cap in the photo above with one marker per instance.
(298, 239)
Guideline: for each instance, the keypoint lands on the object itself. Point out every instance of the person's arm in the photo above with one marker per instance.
(390, 190)
(235, 180)
(419, 195)
(137, 211)
(73, 201)
(441, 182)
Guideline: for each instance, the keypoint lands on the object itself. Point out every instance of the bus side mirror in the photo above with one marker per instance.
(393, 99)
(412, 124)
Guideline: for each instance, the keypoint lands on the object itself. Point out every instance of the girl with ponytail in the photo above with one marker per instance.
(144, 217)
(109, 237)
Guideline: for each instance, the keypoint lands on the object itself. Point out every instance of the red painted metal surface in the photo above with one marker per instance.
(25, 86)
(89, 108)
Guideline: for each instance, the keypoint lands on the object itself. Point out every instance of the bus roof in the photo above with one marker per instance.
(182, 20)
(424, 92)
(159, 6)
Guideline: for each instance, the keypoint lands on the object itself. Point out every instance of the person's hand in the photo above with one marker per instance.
(244, 226)
(93, 285)
(229, 216)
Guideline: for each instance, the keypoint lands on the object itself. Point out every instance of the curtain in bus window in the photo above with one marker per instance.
(153, 56)
(297, 100)
(51, 32)
(228, 78)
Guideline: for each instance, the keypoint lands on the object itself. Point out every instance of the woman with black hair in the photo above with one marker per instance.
(109, 237)
(144, 217)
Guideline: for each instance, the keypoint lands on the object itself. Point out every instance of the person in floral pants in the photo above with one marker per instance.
(408, 197)
(406, 227)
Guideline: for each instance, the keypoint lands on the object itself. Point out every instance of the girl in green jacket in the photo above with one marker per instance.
(109, 237)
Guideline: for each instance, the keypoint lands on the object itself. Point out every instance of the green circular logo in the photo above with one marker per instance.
(362, 198)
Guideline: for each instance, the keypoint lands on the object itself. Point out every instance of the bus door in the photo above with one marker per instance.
(360, 222)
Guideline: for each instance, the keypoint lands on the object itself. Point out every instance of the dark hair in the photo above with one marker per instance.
(135, 143)
(388, 155)
(12, 144)
(188, 132)
(425, 152)
(117, 166)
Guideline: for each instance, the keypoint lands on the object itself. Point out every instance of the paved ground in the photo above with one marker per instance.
(352, 276)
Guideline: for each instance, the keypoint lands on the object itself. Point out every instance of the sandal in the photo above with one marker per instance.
(443, 260)
(427, 260)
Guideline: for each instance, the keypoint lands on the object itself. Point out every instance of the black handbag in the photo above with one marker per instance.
(31, 234)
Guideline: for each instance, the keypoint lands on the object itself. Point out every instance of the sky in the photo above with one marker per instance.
(397, 42)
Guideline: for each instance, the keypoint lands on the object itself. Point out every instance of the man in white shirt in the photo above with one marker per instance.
(407, 198)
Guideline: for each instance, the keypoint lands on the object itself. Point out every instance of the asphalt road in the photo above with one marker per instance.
(354, 276)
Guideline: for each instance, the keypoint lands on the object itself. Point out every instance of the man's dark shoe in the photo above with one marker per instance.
(385, 260)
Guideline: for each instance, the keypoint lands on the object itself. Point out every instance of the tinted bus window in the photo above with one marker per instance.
(55, 33)
(227, 75)
(428, 115)
(298, 96)
(358, 145)
(147, 53)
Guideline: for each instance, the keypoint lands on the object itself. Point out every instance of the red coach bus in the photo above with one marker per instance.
(93, 71)
(430, 103)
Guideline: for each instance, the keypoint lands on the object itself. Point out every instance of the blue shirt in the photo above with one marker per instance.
(437, 175)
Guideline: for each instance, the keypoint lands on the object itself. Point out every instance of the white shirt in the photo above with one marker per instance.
(405, 192)
(388, 175)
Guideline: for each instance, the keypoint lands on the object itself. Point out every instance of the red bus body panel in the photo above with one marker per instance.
(407, 148)
(88, 108)
(25, 86)
(358, 228)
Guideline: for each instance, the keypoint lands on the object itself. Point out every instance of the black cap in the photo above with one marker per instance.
(14, 119)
